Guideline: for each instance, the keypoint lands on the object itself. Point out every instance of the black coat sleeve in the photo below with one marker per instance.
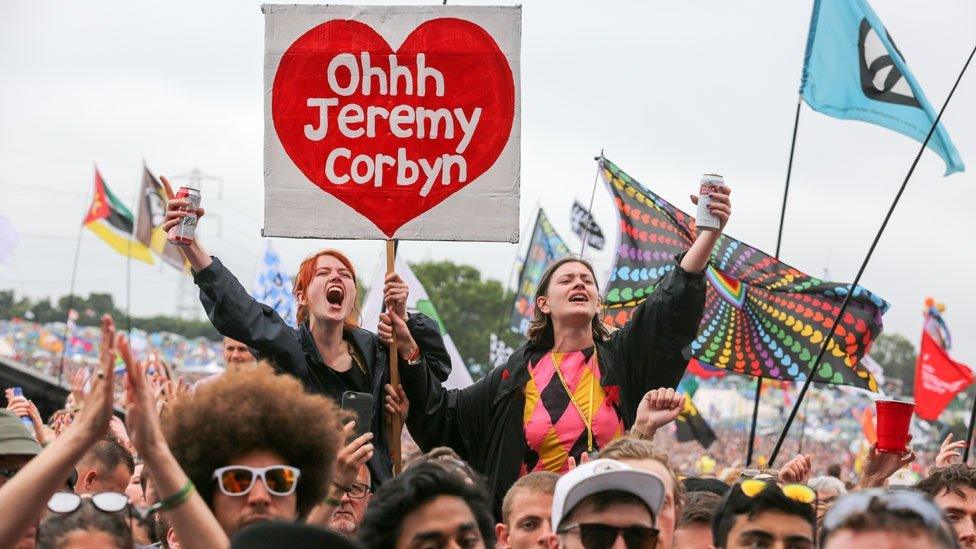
(427, 334)
(457, 418)
(649, 350)
(237, 315)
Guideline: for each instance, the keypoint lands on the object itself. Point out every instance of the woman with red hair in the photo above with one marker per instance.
(328, 352)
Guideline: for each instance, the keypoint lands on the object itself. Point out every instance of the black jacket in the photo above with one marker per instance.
(239, 316)
(483, 423)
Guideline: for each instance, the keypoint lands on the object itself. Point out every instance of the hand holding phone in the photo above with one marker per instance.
(361, 404)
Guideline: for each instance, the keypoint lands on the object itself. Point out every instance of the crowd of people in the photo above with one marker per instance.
(566, 445)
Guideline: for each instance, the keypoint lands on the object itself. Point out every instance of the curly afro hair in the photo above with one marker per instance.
(256, 410)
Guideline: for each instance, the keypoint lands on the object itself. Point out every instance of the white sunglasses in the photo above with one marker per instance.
(237, 480)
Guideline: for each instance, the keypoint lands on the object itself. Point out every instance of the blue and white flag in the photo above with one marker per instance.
(853, 70)
(273, 287)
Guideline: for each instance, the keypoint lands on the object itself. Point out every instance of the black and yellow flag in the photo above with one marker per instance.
(692, 426)
(111, 221)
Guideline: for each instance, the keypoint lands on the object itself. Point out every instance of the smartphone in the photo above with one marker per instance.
(361, 404)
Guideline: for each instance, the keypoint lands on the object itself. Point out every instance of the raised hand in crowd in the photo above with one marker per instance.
(24, 496)
(198, 257)
(352, 457)
(571, 462)
(185, 510)
(21, 407)
(117, 428)
(949, 452)
(658, 408)
(796, 470)
(78, 381)
(879, 466)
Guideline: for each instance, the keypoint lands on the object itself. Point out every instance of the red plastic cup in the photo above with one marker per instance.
(894, 417)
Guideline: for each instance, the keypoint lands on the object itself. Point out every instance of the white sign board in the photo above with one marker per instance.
(392, 122)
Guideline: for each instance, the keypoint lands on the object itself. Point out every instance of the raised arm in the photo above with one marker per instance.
(24, 497)
(650, 348)
(231, 309)
(184, 508)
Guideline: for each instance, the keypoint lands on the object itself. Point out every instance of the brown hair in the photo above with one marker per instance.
(698, 509)
(304, 277)
(635, 448)
(539, 482)
(256, 410)
(540, 332)
(943, 480)
(906, 525)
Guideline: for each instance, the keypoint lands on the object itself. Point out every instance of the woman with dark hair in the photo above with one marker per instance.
(328, 352)
(574, 386)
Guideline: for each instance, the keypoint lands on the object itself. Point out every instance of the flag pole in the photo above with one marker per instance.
(396, 428)
(71, 291)
(589, 210)
(969, 431)
(864, 264)
(779, 242)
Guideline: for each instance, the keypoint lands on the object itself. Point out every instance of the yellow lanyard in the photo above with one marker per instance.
(587, 418)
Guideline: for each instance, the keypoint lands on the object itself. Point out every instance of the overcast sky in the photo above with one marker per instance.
(668, 89)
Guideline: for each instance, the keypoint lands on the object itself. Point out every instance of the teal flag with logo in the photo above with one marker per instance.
(853, 70)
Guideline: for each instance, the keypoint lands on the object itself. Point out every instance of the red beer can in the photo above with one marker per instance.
(183, 233)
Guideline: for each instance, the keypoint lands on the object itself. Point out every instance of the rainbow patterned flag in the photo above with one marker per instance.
(545, 247)
(762, 316)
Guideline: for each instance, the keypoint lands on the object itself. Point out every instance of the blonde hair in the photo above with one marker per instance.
(634, 448)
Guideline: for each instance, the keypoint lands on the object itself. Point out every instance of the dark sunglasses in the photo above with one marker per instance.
(603, 536)
(237, 480)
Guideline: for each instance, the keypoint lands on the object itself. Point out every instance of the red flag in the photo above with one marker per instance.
(938, 379)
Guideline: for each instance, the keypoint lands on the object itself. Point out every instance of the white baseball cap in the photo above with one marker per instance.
(602, 475)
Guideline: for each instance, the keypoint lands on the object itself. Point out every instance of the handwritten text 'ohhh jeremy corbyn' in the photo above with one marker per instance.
(348, 75)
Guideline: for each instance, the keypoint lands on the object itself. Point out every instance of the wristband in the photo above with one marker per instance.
(179, 498)
(414, 358)
(333, 501)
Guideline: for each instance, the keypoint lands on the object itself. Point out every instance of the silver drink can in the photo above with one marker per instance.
(182, 234)
(704, 219)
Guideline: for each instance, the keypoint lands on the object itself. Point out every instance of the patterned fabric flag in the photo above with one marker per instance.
(762, 317)
(586, 227)
(152, 213)
(938, 378)
(111, 221)
(274, 288)
(853, 70)
(545, 247)
(8, 241)
(692, 426)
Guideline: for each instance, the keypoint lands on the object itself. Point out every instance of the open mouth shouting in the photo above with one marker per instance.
(579, 297)
(335, 294)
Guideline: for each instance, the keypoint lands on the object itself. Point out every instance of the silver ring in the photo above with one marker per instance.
(100, 375)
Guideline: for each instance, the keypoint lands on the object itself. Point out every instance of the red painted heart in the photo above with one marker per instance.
(396, 155)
